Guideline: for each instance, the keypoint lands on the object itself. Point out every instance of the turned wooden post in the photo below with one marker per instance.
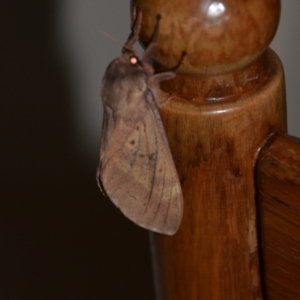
(227, 100)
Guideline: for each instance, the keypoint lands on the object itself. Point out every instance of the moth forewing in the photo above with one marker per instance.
(136, 169)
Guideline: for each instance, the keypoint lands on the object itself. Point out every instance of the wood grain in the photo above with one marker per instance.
(278, 173)
(215, 145)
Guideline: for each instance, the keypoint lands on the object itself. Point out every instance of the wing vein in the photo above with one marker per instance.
(114, 153)
(161, 196)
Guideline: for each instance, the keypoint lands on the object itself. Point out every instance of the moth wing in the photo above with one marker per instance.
(138, 173)
(107, 125)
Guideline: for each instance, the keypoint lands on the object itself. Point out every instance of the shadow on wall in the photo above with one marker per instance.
(59, 238)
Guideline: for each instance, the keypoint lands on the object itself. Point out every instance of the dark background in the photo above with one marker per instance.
(59, 238)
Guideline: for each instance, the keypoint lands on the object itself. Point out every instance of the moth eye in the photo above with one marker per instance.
(133, 60)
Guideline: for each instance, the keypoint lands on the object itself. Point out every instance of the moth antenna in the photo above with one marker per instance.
(135, 31)
(112, 38)
(153, 42)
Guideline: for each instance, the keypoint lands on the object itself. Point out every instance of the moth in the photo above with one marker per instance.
(136, 170)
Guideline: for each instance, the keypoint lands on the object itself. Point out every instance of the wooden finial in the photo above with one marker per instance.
(219, 36)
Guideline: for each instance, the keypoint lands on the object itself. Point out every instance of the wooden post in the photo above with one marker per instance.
(227, 101)
(278, 183)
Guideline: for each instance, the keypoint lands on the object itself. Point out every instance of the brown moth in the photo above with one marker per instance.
(136, 170)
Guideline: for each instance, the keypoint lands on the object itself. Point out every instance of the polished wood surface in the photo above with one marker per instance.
(278, 174)
(224, 105)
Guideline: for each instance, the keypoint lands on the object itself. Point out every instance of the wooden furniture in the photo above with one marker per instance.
(278, 186)
(240, 234)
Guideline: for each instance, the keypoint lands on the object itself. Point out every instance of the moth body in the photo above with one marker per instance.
(136, 169)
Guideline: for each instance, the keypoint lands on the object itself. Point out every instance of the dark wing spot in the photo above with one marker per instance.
(137, 127)
(132, 142)
(151, 156)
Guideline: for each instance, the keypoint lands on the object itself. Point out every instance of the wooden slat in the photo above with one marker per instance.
(279, 198)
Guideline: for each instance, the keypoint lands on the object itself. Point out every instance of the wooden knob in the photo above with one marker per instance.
(218, 36)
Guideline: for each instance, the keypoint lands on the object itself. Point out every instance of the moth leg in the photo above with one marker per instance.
(171, 73)
(176, 68)
(153, 42)
(133, 16)
(164, 103)
(135, 30)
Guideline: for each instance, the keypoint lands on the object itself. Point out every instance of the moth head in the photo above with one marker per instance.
(131, 58)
